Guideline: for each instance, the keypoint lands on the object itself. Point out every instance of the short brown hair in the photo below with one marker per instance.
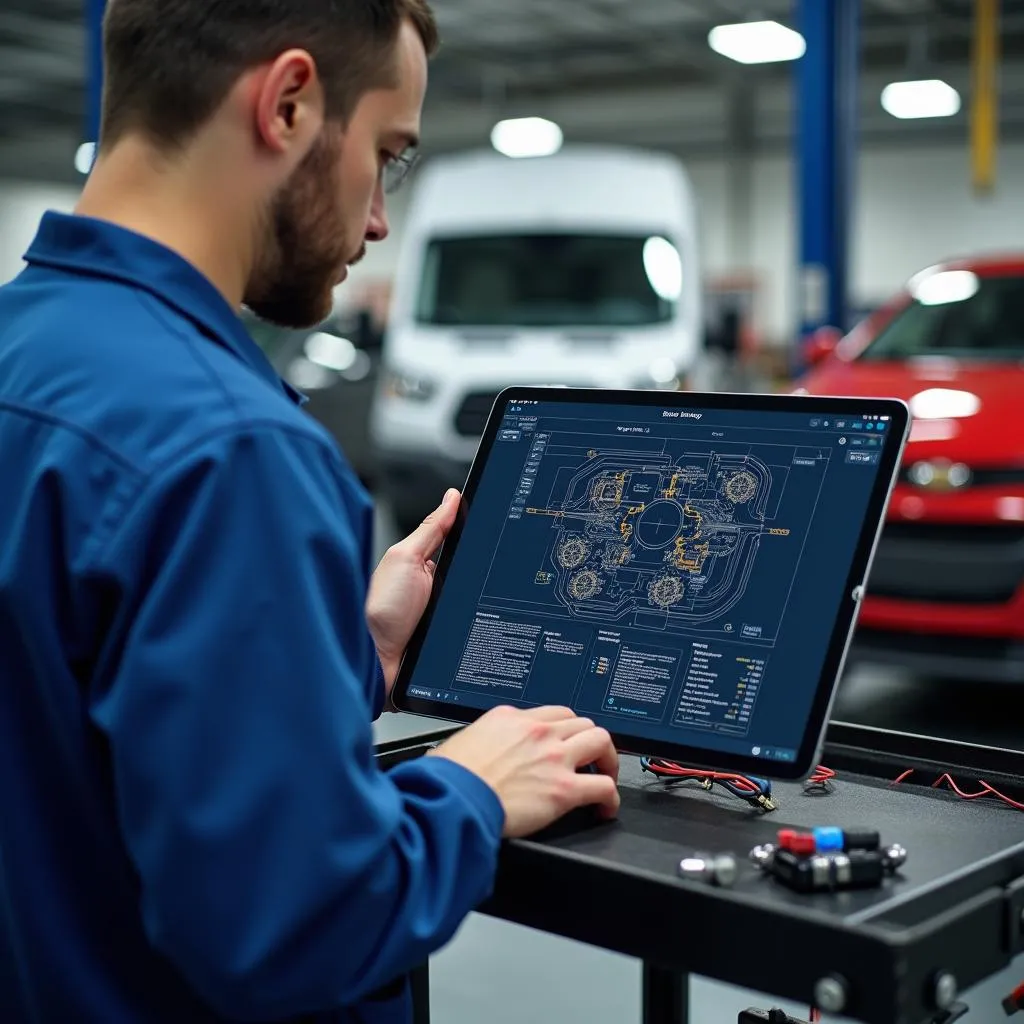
(169, 64)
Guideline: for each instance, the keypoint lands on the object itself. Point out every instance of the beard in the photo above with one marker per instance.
(302, 247)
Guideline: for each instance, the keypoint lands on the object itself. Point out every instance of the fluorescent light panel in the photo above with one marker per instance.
(929, 97)
(84, 157)
(757, 42)
(526, 137)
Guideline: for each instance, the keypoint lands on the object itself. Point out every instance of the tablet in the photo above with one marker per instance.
(684, 569)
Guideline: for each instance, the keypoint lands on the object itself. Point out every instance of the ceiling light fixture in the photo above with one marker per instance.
(84, 157)
(929, 97)
(526, 137)
(757, 42)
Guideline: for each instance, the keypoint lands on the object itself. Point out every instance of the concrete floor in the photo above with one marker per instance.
(499, 973)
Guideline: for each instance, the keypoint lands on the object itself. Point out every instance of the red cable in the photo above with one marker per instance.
(986, 789)
(1004, 798)
(820, 776)
(677, 771)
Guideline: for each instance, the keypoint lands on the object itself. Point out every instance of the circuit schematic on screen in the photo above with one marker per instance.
(675, 539)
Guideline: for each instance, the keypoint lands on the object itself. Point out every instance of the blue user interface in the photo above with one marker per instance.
(674, 574)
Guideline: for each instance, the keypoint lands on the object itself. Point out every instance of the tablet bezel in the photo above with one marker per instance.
(810, 750)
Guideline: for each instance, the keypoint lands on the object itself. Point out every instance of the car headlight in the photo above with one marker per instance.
(408, 387)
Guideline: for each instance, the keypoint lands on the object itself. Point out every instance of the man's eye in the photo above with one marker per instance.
(395, 169)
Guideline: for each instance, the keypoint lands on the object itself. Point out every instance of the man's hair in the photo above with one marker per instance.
(169, 64)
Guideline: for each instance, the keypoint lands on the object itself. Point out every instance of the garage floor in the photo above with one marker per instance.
(504, 974)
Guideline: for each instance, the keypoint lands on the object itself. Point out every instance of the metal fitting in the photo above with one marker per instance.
(944, 990)
(713, 869)
(830, 994)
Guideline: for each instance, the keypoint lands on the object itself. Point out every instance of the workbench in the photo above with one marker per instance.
(899, 954)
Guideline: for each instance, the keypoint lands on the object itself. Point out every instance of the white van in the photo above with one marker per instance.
(579, 269)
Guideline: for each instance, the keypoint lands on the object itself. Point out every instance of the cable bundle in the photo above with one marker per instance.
(822, 776)
(755, 791)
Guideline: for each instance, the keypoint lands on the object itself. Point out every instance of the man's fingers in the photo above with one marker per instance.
(549, 713)
(569, 727)
(430, 534)
(599, 790)
(594, 746)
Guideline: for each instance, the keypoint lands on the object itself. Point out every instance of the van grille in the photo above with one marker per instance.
(471, 418)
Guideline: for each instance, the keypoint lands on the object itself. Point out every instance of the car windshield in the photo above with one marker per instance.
(550, 280)
(956, 315)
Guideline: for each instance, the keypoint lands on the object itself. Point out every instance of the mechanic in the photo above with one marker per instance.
(192, 652)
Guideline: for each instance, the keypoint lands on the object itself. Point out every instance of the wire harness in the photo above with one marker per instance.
(753, 790)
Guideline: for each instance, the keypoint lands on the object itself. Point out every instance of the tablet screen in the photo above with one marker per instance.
(675, 573)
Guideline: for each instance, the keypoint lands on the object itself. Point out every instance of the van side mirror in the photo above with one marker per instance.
(821, 344)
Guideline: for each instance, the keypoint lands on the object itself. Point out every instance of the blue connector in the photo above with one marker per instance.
(829, 840)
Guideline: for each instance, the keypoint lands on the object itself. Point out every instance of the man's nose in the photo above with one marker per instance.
(377, 228)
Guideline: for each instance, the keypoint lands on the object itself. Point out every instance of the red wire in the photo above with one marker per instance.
(676, 771)
(986, 789)
(1002, 796)
(820, 776)
(815, 1014)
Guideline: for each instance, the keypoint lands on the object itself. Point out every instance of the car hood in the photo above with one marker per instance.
(992, 436)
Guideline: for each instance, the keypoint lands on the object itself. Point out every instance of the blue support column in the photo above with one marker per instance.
(94, 77)
(827, 109)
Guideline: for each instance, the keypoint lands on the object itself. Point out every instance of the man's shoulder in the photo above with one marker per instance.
(119, 365)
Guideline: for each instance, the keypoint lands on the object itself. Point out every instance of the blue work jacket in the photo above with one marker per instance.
(193, 825)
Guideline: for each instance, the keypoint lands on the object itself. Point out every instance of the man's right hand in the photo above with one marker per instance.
(530, 759)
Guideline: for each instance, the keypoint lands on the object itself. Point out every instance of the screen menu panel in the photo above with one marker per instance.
(671, 573)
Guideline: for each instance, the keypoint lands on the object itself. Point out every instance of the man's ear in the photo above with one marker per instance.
(289, 104)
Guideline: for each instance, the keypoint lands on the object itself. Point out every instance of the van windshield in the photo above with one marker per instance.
(550, 280)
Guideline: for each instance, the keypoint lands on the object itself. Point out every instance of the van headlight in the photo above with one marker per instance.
(409, 387)
(661, 375)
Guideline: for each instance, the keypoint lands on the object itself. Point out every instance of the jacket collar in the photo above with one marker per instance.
(97, 248)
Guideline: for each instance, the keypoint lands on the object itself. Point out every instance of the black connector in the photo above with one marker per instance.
(859, 869)
(775, 1016)
(854, 839)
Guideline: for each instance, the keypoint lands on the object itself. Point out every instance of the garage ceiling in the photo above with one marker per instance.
(635, 71)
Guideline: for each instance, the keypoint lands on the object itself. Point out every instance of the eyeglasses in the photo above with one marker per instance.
(396, 171)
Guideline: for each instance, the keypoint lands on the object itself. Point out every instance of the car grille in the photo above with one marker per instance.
(992, 476)
(471, 418)
(948, 564)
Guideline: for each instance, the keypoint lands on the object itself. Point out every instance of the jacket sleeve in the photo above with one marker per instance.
(280, 869)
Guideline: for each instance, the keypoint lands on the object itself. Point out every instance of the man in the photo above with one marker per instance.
(194, 827)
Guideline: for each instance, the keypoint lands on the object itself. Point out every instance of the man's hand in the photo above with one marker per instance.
(529, 758)
(401, 586)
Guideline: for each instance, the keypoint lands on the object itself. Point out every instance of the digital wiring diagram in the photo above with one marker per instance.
(667, 541)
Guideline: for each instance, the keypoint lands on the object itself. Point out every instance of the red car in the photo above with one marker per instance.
(946, 592)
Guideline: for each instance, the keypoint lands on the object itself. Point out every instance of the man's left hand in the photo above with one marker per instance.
(401, 586)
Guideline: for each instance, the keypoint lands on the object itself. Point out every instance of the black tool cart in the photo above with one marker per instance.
(899, 953)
